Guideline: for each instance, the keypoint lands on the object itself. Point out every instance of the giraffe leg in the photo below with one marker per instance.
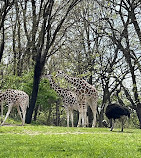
(80, 112)
(94, 119)
(23, 118)
(68, 119)
(93, 106)
(7, 114)
(82, 103)
(1, 112)
(24, 108)
(67, 112)
(23, 122)
(72, 118)
(80, 117)
(85, 116)
(87, 121)
(18, 108)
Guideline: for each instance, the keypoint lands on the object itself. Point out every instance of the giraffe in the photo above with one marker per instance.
(69, 99)
(87, 95)
(16, 98)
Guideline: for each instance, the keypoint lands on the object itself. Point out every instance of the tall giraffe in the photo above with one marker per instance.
(16, 98)
(87, 94)
(69, 99)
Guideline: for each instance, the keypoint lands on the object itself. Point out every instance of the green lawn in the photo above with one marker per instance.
(61, 142)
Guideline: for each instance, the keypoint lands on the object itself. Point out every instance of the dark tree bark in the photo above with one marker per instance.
(3, 12)
(132, 15)
(2, 44)
(89, 111)
(57, 113)
(36, 112)
(49, 116)
(138, 111)
(43, 47)
(37, 75)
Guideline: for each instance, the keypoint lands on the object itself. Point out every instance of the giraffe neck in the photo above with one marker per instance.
(82, 87)
(58, 89)
(1, 96)
(74, 81)
(71, 79)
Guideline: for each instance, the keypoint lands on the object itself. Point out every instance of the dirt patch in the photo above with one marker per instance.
(11, 125)
(63, 133)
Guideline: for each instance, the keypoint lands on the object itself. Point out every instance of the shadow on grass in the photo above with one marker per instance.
(122, 132)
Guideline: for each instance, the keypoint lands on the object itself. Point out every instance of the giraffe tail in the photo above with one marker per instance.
(27, 102)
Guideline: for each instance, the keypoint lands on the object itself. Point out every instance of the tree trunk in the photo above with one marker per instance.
(57, 113)
(57, 120)
(45, 34)
(90, 116)
(106, 98)
(37, 74)
(36, 112)
(89, 111)
(139, 113)
(101, 117)
(135, 23)
(2, 44)
(49, 116)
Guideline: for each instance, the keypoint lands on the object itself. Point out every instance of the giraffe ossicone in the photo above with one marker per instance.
(16, 98)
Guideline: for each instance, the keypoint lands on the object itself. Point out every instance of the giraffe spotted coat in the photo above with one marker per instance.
(16, 98)
(69, 99)
(87, 95)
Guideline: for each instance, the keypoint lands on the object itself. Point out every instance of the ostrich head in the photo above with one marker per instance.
(105, 123)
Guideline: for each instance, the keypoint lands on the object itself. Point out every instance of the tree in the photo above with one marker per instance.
(5, 7)
(47, 37)
(126, 13)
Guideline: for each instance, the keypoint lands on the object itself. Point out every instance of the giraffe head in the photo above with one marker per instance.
(70, 79)
(50, 79)
(60, 73)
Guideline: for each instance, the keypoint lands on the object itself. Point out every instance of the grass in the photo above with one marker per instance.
(60, 142)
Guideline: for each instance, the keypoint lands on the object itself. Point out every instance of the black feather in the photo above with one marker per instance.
(116, 111)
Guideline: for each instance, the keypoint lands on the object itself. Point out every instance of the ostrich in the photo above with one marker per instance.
(116, 111)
